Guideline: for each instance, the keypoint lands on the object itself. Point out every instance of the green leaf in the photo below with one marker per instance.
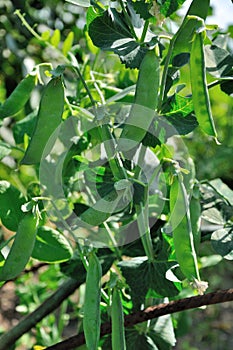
(222, 242)
(51, 246)
(67, 45)
(56, 37)
(110, 32)
(5, 149)
(170, 6)
(139, 340)
(142, 276)
(162, 332)
(222, 189)
(219, 62)
(10, 205)
(74, 267)
(142, 8)
(227, 86)
(24, 126)
(178, 112)
(214, 216)
(83, 3)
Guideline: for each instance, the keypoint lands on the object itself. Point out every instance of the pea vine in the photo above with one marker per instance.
(107, 189)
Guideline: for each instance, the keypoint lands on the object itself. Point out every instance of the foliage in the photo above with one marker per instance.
(95, 149)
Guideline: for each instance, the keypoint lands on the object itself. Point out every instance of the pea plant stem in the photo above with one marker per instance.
(146, 25)
(144, 229)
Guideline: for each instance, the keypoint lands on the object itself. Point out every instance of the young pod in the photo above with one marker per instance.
(117, 316)
(18, 98)
(91, 321)
(200, 95)
(21, 249)
(48, 119)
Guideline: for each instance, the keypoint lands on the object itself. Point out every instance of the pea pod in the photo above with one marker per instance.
(182, 40)
(117, 316)
(145, 101)
(200, 93)
(195, 213)
(183, 239)
(18, 98)
(48, 119)
(183, 37)
(21, 249)
(91, 321)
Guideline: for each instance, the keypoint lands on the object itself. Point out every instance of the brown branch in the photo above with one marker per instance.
(150, 313)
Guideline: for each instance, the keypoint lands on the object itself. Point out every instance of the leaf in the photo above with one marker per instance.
(110, 32)
(222, 242)
(83, 3)
(74, 267)
(139, 340)
(24, 126)
(222, 189)
(55, 38)
(227, 87)
(178, 112)
(219, 62)
(51, 246)
(67, 45)
(10, 205)
(162, 332)
(169, 6)
(142, 276)
(5, 149)
(142, 8)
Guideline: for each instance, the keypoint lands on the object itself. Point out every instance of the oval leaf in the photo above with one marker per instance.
(11, 201)
(51, 246)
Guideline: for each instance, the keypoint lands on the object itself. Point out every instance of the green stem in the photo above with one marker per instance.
(164, 76)
(146, 25)
(144, 230)
(27, 25)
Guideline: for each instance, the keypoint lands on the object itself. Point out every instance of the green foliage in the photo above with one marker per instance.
(96, 180)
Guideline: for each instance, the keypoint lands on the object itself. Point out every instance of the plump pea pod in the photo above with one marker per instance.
(91, 321)
(183, 239)
(18, 98)
(200, 93)
(145, 101)
(21, 249)
(117, 316)
(48, 119)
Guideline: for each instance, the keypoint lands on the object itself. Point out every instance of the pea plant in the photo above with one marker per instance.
(102, 184)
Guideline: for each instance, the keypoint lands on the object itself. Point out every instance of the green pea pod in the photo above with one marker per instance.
(91, 321)
(195, 213)
(145, 101)
(117, 316)
(18, 98)
(48, 119)
(183, 239)
(182, 38)
(21, 249)
(200, 93)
